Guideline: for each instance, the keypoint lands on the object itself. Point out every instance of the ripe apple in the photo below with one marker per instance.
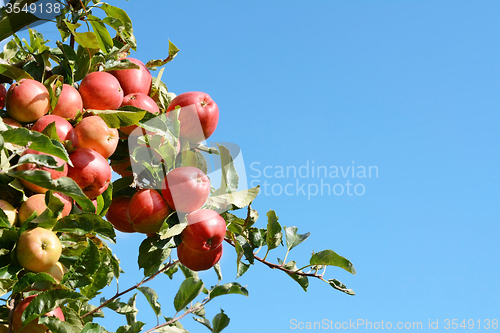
(147, 210)
(69, 104)
(54, 174)
(198, 261)
(38, 249)
(199, 115)
(33, 326)
(205, 230)
(90, 171)
(27, 100)
(101, 91)
(57, 271)
(12, 122)
(134, 80)
(36, 203)
(10, 211)
(186, 189)
(93, 133)
(117, 214)
(3, 92)
(64, 129)
(141, 101)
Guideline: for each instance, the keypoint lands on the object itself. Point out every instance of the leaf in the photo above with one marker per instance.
(86, 223)
(81, 273)
(220, 322)
(188, 291)
(340, 286)
(330, 258)
(48, 301)
(86, 39)
(39, 142)
(102, 277)
(303, 281)
(72, 317)
(102, 34)
(153, 251)
(120, 64)
(204, 321)
(131, 317)
(55, 325)
(30, 281)
(292, 238)
(238, 199)
(134, 328)
(230, 179)
(93, 328)
(188, 273)
(42, 161)
(13, 72)
(6, 286)
(228, 288)
(172, 227)
(242, 268)
(82, 63)
(125, 116)
(152, 298)
(172, 52)
(120, 307)
(243, 247)
(170, 329)
(274, 235)
(54, 85)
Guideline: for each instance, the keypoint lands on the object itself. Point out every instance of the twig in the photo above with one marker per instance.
(188, 311)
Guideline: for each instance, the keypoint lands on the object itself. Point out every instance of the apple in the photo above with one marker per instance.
(198, 116)
(12, 122)
(3, 92)
(101, 91)
(33, 326)
(117, 214)
(57, 271)
(54, 174)
(27, 100)
(186, 189)
(205, 230)
(38, 249)
(198, 261)
(64, 129)
(134, 80)
(141, 101)
(120, 167)
(90, 171)
(36, 203)
(10, 211)
(93, 133)
(69, 103)
(147, 210)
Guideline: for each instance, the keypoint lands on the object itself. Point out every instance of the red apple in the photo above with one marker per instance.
(69, 104)
(117, 214)
(3, 92)
(205, 230)
(10, 211)
(12, 122)
(65, 130)
(36, 203)
(33, 326)
(27, 100)
(186, 189)
(101, 91)
(147, 210)
(199, 115)
(90, 171)
(38, 249)
(198, 261)
(54, 174)
(141, 101)
(93, 133)
(134, 80)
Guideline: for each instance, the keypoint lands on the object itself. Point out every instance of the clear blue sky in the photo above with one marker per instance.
(408, 87)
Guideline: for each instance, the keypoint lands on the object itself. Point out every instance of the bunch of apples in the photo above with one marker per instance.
(90, 143)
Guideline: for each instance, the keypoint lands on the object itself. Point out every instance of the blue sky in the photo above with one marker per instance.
(409, 88)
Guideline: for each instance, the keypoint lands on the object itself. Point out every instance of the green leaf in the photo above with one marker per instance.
(119, 14)
(93, 328)
(120, 307)
(230, 178)
(102, 277)
(244, 248)
(228, 288)
(86, 223)
(120, 64)
(54, 85)
(204, 321)
(238, 199)
(131, 317)
(172, 226)
(170, 329)
(36, 281)
(42, 161)
(303, 281)
(134, 328)
(241, 269)
(292, 238)
(39, 142)
(152, 298)
(153, 251)
(6, 286)
(72, 318)
(48, 301)
(188, 291)
(82, 63)
(86, 39)
(274, 235)
(336, 284)
(125, 116)
(172, 52)
(330, 258)
(55, 325)
(220, 322)
(103, 37)
(188, 273)
(81, 273)
(13, 72)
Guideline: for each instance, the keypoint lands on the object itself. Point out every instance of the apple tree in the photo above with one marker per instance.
(77, 110)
